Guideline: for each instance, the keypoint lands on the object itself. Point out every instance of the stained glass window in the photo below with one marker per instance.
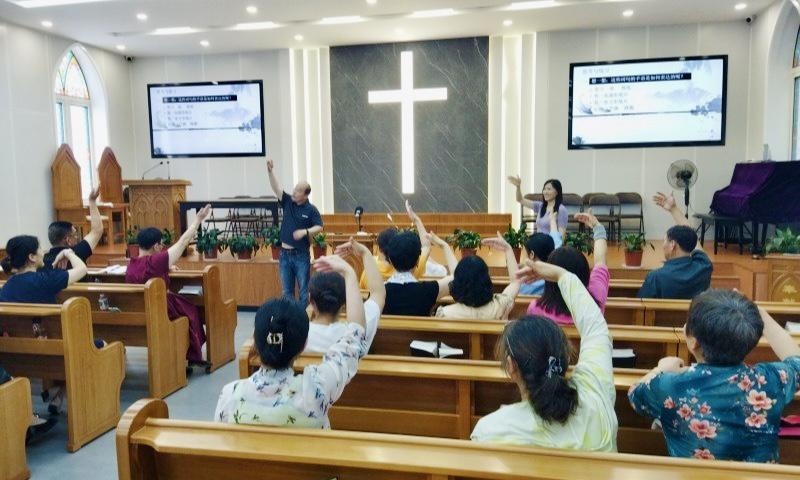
(69, 79)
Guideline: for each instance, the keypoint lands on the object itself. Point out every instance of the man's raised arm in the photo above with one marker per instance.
(96, 232)
(276, 187)
(667, 202)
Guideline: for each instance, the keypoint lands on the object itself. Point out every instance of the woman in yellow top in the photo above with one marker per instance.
(556, 412)
(385, 237)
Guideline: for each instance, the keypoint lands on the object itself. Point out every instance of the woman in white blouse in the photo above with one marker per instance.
(275, 395)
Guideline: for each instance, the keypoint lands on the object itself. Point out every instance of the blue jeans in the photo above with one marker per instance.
(295, 265)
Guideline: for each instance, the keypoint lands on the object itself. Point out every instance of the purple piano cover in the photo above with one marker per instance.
(767, 192)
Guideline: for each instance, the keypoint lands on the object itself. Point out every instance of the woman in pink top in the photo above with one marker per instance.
(552, 304)
(155, 262)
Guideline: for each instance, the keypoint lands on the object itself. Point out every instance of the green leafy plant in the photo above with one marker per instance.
(208, 240)
(242, 243)
(272, 236)
(320, 240)
(131, 235)
(635, 242)
(784, 241)
(462, 239)
(167, 237)
(582, 241)
(516, 238)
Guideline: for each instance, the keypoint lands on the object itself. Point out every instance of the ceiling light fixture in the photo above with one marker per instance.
(121, 48)
(740, 6)
(47, 23)
(627, 13)
(298, 37)
(441, 12)
(372, 2)
(532, 5)
(173, 31)
(141, 16)
(508, 23)
(341, 20)
(51, 3)
(255, 26)
(252, 9)
(204, 43)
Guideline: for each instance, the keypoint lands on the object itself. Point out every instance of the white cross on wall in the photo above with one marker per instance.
(406, 97)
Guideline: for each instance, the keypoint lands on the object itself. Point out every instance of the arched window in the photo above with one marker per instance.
(73, 109)
(796, 108)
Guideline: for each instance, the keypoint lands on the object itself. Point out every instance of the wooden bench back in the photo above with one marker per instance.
(15, 416)
(150, 445)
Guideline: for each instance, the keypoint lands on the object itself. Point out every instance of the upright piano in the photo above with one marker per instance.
(764, 193)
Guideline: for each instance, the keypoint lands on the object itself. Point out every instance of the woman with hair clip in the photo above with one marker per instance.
(556, 412)
(275, 395)
(553, 197)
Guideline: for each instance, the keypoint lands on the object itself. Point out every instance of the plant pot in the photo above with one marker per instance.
(212, 255)
(633, 259)
(132, 251)
(319, 251)
(245, 255)
(276, 252)
(517, 253)
(468, 252)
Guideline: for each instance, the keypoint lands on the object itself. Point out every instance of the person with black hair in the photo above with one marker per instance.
(64, 235)
(539, 247)
(556, 412)
(687, 270)
(721, 408)
(386, 236)
(328, 295)
(275, 395)
(154, 262)
(596, 280)
(301, 221)
(472, 287)
(405, 295)
(553, 196)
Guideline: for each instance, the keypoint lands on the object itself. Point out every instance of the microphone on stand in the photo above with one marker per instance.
(359, 211)
(152, 168)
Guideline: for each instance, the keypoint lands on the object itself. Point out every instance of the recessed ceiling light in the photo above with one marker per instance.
(508, 23)
(298, 37)
(51, 3)
(173, 31)
(141, 16)
(204, 43)
(255, 26)
(532, 5)
(341, 20)
(47, 23)
(121, 48)
(399, 31)
(252, 9)
(627, 13)
(372, 2)
(441, 12)
(740, 6)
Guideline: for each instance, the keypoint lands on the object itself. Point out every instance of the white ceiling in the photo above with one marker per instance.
(109, 23)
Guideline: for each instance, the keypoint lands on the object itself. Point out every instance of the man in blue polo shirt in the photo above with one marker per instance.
(687, 271)
(301, 221)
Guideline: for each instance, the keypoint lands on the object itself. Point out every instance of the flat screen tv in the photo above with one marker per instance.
(657, 102)
(207, 119)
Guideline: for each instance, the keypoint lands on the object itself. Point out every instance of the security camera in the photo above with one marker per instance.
(750, 19)
(131, 59)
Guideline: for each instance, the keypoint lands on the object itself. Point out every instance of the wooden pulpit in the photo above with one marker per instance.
(154, 203)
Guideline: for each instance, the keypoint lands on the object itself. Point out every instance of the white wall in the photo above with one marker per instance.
(28, 62)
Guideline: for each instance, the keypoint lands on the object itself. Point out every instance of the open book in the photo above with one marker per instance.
(433, 349)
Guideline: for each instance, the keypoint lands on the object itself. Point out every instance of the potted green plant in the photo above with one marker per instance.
(272, 237)
(516, 238)
(132, 250)
(167, 237)
(320, 244)
(582, 241)
(466, 241)
(634, 248)
(784, 242)
(242, 246)
(208, 243)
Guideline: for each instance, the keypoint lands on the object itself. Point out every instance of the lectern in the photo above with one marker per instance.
(154, 203)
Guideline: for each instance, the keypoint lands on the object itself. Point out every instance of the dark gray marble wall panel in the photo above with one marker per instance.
(450, 136)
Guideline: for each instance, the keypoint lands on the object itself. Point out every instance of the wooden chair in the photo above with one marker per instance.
(109, 173)
(218, 314)
(93, 376)
(15, 416)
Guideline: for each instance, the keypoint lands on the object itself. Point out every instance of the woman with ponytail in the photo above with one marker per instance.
(557, 412)
(274, 395)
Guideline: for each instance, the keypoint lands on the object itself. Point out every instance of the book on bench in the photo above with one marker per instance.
(191, 290)
(623, 358)
(433, 349)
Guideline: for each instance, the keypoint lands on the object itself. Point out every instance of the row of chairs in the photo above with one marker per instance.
(613, 210)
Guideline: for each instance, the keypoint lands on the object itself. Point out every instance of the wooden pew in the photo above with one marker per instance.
(15, 416)
(446, 398)
(619, 311)
(150, 445)
(668, 313)
(93, 376)
(219, 315)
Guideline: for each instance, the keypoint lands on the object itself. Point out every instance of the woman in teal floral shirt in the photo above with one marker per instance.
(274, 395)
(722, 408)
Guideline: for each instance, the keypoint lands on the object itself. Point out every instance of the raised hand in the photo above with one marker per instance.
(497, 242)
(667, 202)
(411, 214)
(270, 165)
(332, 263)
(537, 270)
(587, 218)
(515, 180)
(95, 193)
(435, 240)
(203, 213)
(670, 364)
